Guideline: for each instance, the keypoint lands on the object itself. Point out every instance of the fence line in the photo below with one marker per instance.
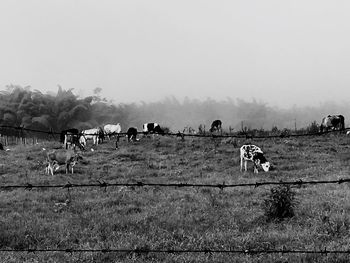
(180, 134)
(104, 184)
(324, 251)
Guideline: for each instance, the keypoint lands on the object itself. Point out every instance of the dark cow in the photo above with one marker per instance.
(216, 125)
(64, 132)
(254, 154)
(152, 127)
(332, 122)
(70, 138)
(131, 134)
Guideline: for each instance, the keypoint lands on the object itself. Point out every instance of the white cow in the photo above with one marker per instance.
(254, 154)
(92, 134)
(112, 129)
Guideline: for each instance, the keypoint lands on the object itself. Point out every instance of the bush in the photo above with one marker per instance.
(280, 203)
(313, 127)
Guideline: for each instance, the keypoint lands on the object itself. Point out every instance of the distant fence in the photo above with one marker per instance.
(21, 135)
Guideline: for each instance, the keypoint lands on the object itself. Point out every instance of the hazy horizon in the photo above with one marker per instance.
(281, 53)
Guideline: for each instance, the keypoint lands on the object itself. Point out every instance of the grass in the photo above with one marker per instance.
(176, 218)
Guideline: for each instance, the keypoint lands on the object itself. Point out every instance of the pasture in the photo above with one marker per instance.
(177, 218)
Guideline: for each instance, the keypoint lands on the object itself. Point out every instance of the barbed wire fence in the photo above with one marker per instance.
(20, 131)
(284, 250)
(222, 186)
(104, 184)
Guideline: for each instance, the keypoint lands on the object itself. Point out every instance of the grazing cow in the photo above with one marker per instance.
(216, 125)
(254, 154)
(112, 129)
(152, 127)
(131, 134)
(95, 134)
(60, 157)
(332, 122)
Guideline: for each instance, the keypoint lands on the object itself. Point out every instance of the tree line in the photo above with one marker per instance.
(32, 109)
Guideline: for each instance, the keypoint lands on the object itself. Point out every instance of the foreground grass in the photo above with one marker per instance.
(176, 218)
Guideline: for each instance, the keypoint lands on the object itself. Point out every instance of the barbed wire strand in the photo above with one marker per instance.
(103, 184)
(178, 251)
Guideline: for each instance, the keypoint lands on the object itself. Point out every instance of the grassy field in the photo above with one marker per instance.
(173, 217)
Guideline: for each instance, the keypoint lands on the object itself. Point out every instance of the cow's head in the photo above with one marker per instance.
(266, 166)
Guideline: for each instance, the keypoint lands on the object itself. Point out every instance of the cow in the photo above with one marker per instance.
(253, 153)
(332, 122)
(95, 134)
(112, 129)
(216, 125)
(152, 127)
(72, 139)
(64, 132)
(131, 134)
(60, 157)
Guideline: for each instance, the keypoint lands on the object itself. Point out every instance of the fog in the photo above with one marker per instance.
(24, 107)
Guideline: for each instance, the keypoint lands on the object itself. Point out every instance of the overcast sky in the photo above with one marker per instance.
(283, 53)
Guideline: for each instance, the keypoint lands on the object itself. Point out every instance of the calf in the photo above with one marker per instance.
(216, 125)
(254, 154)
(60, 157)
(131, 134)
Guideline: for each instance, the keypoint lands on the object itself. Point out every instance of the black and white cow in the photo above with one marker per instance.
(70, 138)
(332, 122)
(64, 132)
(131, 134)
(216, 125)
(152, 127)
(254, 154)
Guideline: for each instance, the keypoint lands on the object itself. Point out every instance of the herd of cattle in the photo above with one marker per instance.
(73, 137)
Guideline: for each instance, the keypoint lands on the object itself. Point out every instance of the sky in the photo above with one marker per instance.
(283, 53)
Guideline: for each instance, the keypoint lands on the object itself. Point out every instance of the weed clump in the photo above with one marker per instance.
(280, 203)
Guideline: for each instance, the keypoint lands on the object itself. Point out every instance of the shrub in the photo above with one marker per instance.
(313, 127)
(280, 203)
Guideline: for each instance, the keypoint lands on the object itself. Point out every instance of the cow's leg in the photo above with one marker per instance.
(73, 164)
(255, 167)
(50, 168)
(241, 164)
(67, 168)
(47, 171)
